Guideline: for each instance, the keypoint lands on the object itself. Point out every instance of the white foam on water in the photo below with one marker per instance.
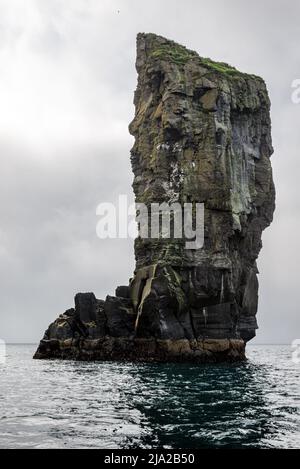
(2, 352)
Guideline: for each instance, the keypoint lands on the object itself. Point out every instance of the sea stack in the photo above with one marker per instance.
(202, 136)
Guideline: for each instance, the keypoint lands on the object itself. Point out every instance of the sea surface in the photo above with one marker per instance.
(64, 404)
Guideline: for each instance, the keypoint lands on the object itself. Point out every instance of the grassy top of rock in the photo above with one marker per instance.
(165, 49)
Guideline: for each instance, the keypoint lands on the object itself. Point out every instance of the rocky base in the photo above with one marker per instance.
(106, 330)
(143, 350)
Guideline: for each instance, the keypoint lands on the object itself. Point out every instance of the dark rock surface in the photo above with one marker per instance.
(202, 134)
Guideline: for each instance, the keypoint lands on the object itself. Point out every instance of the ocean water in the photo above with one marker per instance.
(57, 404)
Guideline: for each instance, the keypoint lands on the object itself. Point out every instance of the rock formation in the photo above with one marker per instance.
(202, 135)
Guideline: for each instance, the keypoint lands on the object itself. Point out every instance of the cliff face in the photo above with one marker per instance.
(202, 135)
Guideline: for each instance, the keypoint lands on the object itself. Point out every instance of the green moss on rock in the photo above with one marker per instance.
(174, 52)
(180, 55)
(221, 67)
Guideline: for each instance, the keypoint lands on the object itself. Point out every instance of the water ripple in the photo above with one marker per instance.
(56, 404)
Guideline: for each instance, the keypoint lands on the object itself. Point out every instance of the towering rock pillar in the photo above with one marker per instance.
(202, 136)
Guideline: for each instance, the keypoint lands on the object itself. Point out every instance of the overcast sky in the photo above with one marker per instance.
(67, 78)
